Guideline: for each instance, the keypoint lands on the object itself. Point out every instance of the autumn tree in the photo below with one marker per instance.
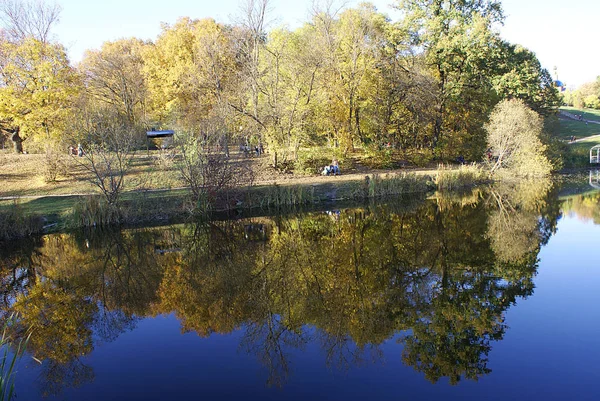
(349, 47)
(37, 82)
(37, 89)
(114, 76)
(521, 76)
(190, 72)
(514, 132)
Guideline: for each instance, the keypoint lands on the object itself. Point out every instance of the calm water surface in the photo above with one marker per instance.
(490, 295)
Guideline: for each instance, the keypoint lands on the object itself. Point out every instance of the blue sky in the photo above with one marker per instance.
(561, 33)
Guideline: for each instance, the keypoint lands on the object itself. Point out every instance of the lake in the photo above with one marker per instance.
(486, 295)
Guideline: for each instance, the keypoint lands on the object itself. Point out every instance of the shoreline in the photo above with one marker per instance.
(63, 212)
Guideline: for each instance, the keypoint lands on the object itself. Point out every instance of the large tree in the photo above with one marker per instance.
(37, 82)
(114, 76)
(456, 39)
(37, 87)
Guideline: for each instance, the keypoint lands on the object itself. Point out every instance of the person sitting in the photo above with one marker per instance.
(335, 167)
(331, 170)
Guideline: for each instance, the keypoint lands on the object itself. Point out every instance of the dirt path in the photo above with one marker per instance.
(585, 138)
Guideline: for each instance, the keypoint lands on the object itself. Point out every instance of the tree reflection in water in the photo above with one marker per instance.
(441, 274)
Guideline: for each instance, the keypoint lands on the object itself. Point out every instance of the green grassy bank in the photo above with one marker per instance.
(64, 212)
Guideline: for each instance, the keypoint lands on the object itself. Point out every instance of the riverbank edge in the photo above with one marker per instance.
(58, 213)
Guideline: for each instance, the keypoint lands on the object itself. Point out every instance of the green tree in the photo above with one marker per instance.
(521, 76)
(456, 40)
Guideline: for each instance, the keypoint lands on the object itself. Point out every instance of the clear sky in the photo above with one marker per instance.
(563, 34)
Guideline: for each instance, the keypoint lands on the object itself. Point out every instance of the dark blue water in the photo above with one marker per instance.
(318, 341)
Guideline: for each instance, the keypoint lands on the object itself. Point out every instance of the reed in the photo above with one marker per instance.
(376, 186)
(280, 196)
(93, 211)
(448, 178)
(14, 223)
(10, 352)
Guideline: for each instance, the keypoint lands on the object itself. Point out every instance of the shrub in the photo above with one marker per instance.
(15, 224)
(311, 161)
(420, 158)
(379, 158)
(514, 139)
(54, 165)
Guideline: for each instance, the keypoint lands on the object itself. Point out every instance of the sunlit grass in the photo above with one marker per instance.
(587, 114)
(579, 153)
(579, 129)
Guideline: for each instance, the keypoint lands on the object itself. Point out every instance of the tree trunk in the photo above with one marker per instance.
(17, 141)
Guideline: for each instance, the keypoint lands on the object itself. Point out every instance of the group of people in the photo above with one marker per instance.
(258, 149)
(76, 151)
(332, 169)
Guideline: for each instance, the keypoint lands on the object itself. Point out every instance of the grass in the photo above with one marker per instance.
(579, 152)
(23, 175)
(579, 129)
(70, 202)
(588, 114)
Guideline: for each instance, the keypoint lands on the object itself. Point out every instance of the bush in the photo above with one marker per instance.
(311, 161)
(379, 158)
(54, 165)
(514, 139)
(421, 158)
(15, 224)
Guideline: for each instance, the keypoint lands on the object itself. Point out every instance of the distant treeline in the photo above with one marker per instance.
(587, 95)
(343, 79)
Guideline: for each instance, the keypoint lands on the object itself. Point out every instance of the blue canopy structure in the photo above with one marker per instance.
(160, 134)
